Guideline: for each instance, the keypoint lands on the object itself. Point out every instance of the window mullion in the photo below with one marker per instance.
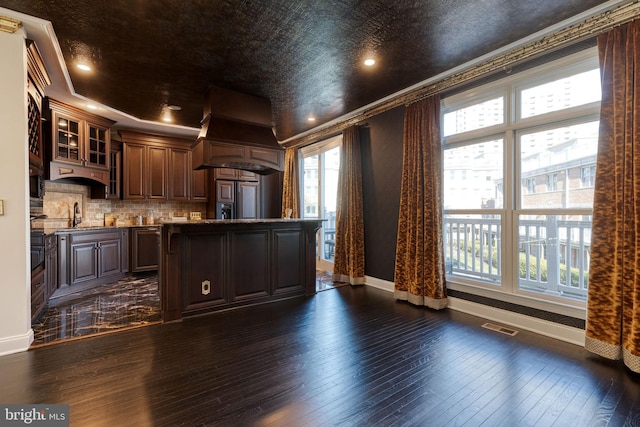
(510, 244)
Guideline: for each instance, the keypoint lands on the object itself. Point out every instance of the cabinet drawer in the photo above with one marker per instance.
(93, 236)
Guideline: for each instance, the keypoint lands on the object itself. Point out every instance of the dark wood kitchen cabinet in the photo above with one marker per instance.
(225, 191)
(37, 80)
(51, 264)
(248, 200)
(159, 167)
(38, 293)
(185, 184)
(94, 256)
(36, 245)
(44, 270)
(179, 174)
(38, 288)
(91, 257)
(79, 143)
(144, 172)
(145, 249)
(199, 185)
(236, 174)
(113, 189)
(216, 265)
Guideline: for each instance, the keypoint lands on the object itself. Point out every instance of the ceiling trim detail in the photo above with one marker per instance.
(481, 67)
(9, 25)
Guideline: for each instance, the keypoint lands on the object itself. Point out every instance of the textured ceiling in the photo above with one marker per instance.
(305, 56)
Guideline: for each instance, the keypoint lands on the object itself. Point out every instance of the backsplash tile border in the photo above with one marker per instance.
(92, 210)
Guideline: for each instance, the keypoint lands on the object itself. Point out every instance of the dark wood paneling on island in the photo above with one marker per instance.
(213, 265)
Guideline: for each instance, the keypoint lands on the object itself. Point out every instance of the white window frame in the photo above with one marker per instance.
(508, 290)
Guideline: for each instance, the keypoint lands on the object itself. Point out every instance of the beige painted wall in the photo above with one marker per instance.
(15, 277)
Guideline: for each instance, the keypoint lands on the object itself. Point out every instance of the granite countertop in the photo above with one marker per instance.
(239, 221)
(52, 230)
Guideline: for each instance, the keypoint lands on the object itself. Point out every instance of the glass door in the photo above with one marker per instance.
(320, 166)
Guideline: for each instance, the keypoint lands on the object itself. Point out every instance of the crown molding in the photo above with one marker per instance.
(581, 27)
(9, 25)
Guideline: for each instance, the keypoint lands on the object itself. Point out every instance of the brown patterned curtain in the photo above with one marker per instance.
(419, 270)
(613, 310)
(290, 192)
(348, 263)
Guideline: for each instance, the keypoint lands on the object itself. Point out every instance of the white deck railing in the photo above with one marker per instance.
(553, 254)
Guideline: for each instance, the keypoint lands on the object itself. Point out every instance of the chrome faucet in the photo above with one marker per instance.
(76, 215)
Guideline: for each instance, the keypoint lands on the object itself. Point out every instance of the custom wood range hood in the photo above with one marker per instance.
(237, 133)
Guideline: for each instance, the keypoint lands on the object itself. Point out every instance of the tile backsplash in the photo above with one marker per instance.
(60, 197)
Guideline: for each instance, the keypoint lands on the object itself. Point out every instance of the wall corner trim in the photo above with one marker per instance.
(374, 282)
(16, 343)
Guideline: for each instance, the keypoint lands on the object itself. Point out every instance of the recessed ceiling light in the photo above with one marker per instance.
(167, 112)
(311, 119)
(369, 62)
(84, 67)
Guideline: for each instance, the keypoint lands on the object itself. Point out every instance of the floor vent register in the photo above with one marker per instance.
(501, 329)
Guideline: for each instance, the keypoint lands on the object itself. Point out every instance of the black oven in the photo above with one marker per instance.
(36, 187)
(37, 249)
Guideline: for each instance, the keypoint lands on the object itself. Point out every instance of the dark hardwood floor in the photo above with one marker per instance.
(347, 356)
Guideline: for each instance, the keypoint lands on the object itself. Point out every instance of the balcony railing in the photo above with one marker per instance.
(472, 248)
(553, 256)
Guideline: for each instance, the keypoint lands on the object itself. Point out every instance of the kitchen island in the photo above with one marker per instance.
(211, 265)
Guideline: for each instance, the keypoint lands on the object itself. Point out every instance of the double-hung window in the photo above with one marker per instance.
(524, 229)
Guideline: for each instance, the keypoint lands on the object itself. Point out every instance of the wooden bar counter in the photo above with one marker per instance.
(211, 265)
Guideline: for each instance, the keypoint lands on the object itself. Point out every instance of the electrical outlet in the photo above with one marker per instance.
(1, 207)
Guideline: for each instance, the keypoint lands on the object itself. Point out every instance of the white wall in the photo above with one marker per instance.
(15, 275)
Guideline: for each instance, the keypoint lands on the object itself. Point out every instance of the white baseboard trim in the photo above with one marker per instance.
(516, 320)
(16, 344)
(374, 282)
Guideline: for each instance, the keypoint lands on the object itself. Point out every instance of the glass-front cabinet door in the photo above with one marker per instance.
(78, 137)
(67, 140)
(97, 147)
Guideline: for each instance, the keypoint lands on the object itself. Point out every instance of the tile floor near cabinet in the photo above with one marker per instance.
(325, 281)
(131, 302)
